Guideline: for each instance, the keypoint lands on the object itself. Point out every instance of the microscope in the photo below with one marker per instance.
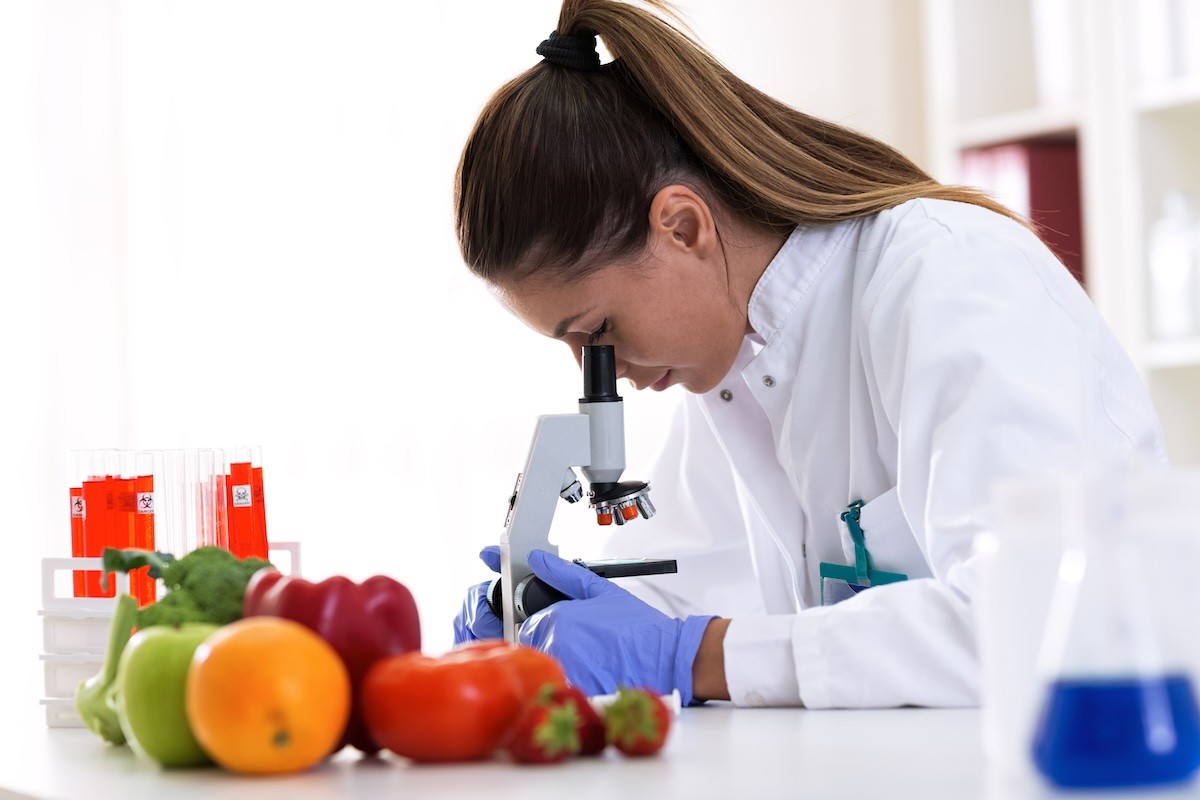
(593, 441)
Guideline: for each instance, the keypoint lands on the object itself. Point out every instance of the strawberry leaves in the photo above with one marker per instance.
(558, 723)
(545, 733)
(593, 736)
(637, 722)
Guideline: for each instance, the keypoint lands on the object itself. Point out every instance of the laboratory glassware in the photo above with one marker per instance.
(1017, 561)
(1115, 712)
(99, 504)
(77, 472)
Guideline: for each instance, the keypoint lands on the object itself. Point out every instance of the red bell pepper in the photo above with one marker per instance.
(364, 622)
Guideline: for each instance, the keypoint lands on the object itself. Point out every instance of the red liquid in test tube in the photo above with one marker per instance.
(218, 488)
(124, 531)
(144, 526)
(79, 582)
(259, 549)
(76, 473)
(98, 509)
(241, 508)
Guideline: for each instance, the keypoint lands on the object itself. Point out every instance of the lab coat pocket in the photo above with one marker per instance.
(889, 538)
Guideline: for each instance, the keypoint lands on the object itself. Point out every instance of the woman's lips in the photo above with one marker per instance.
(662, 382)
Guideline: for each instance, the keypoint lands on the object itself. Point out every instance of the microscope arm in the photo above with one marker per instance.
(560, 442)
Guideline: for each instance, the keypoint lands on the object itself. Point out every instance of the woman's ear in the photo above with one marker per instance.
(681, 219)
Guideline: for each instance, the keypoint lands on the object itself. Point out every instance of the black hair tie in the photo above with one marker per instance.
(575, 51)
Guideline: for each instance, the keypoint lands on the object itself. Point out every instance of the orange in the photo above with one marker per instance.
(266, 695)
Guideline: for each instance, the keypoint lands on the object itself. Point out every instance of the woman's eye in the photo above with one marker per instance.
(595, 335)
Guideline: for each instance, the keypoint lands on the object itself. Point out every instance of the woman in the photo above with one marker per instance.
(866, 353)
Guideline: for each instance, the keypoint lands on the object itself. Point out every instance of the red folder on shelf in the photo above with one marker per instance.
(1038, 179)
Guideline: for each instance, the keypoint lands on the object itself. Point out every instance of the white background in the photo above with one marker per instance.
(227, 223)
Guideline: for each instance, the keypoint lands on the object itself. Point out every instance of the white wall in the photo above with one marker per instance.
(854, 62)
(229, 222)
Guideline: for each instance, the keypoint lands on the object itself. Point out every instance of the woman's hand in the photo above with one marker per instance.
(476, 620)
(605, 637)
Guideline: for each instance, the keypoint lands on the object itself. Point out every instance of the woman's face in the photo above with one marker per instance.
(671, 315)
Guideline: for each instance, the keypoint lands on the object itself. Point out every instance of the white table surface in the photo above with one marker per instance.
(713, 751)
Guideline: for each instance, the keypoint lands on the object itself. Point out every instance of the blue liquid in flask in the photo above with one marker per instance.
(1118, 732)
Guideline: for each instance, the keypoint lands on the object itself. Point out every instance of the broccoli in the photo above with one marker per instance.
(206, 585)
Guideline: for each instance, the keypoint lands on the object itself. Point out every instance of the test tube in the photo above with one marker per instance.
(240, 500)
(75, 476)
(176, 504)
(259, 548)
(213, 527)
(148, 465)
(124, 532)
(98, 511)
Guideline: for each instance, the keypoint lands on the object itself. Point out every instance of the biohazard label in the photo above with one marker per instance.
(242, 497)
(77, 506)
(145, 502)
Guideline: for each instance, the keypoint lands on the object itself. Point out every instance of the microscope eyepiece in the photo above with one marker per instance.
(599, 374)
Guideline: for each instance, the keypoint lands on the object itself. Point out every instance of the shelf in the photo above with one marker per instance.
(1137, 142)
(1038, 123)
(1170, 95)
(1170, 355)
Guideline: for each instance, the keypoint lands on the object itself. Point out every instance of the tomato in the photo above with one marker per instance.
(534, 669)
(458, 707)
(479, 648)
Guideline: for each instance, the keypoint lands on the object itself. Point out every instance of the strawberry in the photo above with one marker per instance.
(637, 722)
(546, 732)
(593, 737)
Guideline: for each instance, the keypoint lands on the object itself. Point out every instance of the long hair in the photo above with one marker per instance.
(562, 165)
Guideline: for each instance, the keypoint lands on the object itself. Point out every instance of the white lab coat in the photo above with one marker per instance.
(909, 359)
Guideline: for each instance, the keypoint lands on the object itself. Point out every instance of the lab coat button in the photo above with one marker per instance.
(768, 381)
(726, 395)
(753, 699)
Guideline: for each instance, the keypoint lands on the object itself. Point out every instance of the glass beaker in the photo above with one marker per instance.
(1017, 568)
(1115, 713)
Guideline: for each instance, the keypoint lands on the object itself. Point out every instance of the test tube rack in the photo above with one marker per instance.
(75, 630)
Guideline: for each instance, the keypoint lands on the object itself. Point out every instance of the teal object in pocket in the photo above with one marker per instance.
(839, 581)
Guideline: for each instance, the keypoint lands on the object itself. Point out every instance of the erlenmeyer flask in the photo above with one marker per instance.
(1115, 712)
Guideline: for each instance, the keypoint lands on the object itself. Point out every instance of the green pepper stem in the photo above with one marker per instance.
(119, 633)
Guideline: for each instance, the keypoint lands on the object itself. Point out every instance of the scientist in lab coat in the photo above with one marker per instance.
(865, 352)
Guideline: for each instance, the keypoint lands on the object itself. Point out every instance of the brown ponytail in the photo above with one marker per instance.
(562, 165)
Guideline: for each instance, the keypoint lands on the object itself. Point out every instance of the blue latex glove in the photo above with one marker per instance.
(476, 620)
(606, 637)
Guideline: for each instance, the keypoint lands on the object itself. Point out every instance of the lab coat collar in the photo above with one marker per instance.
(792, 272)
